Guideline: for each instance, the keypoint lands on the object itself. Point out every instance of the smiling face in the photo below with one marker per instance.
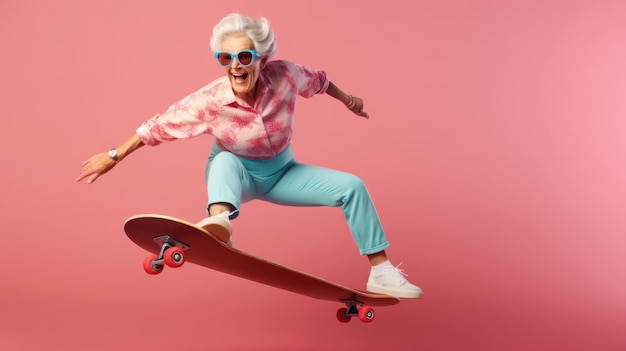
(242, 79)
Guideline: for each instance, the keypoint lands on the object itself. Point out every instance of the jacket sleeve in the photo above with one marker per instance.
(308, 81)
(187, 118)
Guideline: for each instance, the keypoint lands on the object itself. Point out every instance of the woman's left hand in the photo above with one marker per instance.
(355, 104)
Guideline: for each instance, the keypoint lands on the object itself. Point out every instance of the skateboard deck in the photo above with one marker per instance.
(173, 242)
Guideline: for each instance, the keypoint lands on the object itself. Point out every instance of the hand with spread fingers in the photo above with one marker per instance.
(96, 166)
(101, 163)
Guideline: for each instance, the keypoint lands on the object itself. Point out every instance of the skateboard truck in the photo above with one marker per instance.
(171, 254)
(355, 308)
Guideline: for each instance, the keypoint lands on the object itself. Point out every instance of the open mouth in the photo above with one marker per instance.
(240, 77)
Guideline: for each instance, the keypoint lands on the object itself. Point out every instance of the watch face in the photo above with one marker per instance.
(113, 154)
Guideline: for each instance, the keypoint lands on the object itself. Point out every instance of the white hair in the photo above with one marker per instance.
(258, 31)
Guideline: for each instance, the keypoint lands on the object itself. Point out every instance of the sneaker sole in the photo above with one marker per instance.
(394, 293)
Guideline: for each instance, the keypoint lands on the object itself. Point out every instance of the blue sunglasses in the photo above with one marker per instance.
(245, 57)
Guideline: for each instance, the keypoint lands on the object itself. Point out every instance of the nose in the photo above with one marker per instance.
(235, 62)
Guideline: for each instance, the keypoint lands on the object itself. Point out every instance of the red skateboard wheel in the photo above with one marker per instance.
(342, 315)
(366, 314)
(150, 267)
(174, 257)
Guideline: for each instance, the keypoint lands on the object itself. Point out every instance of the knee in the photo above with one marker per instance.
(353, 185)
(222, 162)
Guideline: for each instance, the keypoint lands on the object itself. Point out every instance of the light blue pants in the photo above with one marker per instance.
(283, 180)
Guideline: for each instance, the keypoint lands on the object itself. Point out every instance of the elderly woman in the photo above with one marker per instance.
(249, 112)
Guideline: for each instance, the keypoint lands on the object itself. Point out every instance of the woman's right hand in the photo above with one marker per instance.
(99, 164)
(96, 166)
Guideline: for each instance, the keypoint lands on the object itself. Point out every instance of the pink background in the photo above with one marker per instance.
(494, 153)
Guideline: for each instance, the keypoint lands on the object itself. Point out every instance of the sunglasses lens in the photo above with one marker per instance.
(224, 58)
(245, 58)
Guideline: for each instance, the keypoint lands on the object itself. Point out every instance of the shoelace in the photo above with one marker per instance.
(398, 274)
(401, 270)
(402, 275)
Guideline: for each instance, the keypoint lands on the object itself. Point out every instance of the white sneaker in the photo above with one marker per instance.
(219, 226)
(392, 281)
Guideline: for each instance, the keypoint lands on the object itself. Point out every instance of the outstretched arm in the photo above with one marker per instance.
(101, 163)
(353, 103)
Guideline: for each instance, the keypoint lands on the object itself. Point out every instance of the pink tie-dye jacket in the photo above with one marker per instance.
(255, 132)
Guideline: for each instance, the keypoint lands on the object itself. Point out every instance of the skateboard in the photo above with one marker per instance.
(172, 242)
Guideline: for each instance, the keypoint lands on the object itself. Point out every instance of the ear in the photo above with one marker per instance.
(263, 62)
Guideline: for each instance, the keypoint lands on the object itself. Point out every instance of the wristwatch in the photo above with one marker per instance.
(113, 154)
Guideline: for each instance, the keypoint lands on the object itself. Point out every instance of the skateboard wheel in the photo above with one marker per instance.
(174, 257)
(366, 314)
(342, 315)
(150, 266)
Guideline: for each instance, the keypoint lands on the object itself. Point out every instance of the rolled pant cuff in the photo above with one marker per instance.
(374, 250)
